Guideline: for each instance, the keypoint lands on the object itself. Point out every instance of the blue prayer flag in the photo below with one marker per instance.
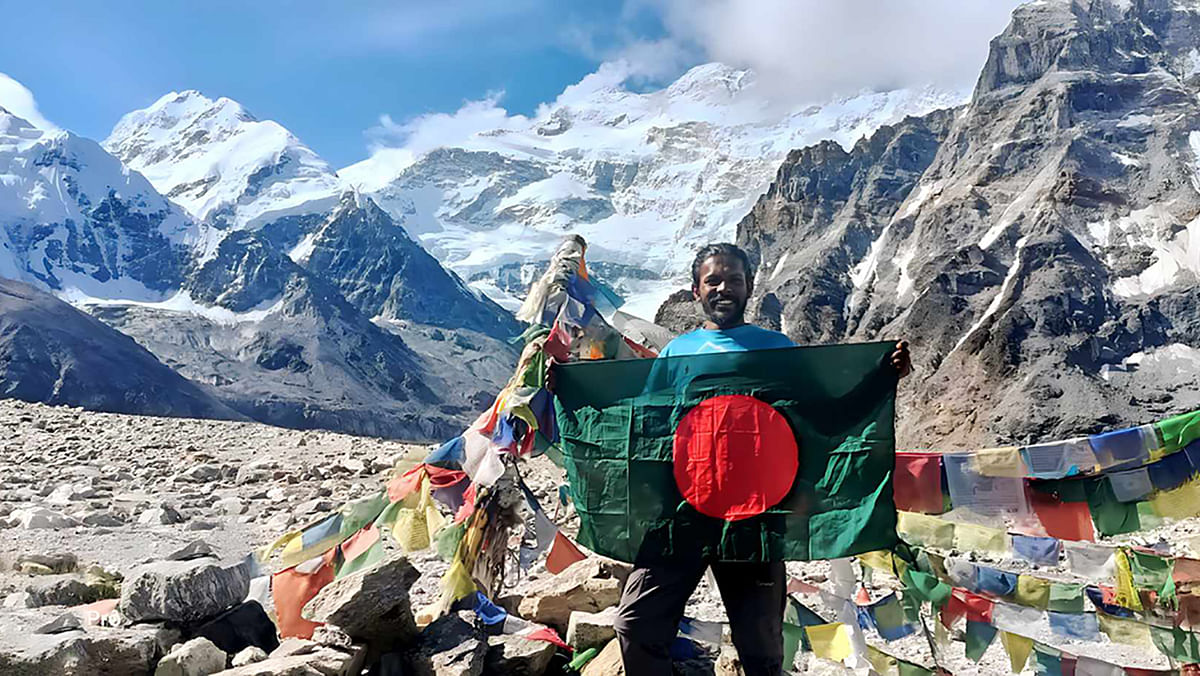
(1039, 550)
(995, 582)
(1082, 626)
(1171, 471)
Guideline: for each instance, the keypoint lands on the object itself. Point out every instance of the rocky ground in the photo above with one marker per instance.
(92, 503)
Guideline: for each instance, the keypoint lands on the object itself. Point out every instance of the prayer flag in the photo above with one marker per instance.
(961, 572)
(1062, 517)
(1122, 448)
(296, 586)
(1127, 595)
(1011, 617)
(1131, 485)
(1180, 503)
(979, 636)
(1179, 431)
(1090, 666)
(926, 587)
(1039, 550)
(984, 495)
(1032, 591)
(881, 662)
(362, 550)
(1110, 516)
(1176, 643)
(1171, 472)
(1103, 598)
(1047, 660)
(767, 455)
(829, 641)
(995, 581)
(999, 462)
(927, 531)
(918, 483)
(1081, 626)
(1129, 632)
(887, 616)
(972, 538)
(562, 554)
(1058, 459)
(1018, 649)
(1065, 598)
(1090, 560)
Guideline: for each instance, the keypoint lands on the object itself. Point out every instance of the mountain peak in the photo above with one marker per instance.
(220, 163)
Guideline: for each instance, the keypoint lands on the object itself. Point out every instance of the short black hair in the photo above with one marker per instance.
(720, 249)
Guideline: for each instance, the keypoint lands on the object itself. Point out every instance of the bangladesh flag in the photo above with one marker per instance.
(768, 455)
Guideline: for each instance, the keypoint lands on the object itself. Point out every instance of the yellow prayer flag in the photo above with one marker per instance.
(884, 561)
(1129, 632)
(457, 582)
(1033, 591)
(1126, 594)
(1005, 462)
(922, 529)
(829, 641)
(881, 662)
(1018, 649)
(972, 538)
(1178, 503)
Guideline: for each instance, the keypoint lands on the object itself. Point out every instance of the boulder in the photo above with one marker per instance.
(40, 517)
(588, 585)
(164, 515)
(102, 518)
(607, 663)
(372, 605)
(184, 591)
(248, 656)
(65, 590)
(450, 646)
(517, 656)
(591, 630)
(197, 657)
(242, 626)
(321, 661)
(62, 562)
(94, 651)
(201, 473)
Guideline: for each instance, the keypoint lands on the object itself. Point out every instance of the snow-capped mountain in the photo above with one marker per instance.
(1039, 246)
(645, 177)
(222, 165)
(74, 219)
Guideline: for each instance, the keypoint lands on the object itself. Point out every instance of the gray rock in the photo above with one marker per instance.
(230, 505)
(322, 661)
(589, 586)
(98, 651)
(62, 562)
(39, 517)
(201, 473)
(591, 630)
(331, 635)
(164, 515)
(19, 600)
(249, 655)
(102, 518)
(184, 591)
(197, 657)
(450, 646)
(372, 605)
(65, 590)
(517, 656)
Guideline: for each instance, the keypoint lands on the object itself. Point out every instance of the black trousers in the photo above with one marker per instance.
(654, 598)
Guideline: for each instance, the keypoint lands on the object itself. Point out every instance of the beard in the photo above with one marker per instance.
(723, 310)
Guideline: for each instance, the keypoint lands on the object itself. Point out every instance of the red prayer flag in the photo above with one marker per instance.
(562, 554)
(403, 485)
(1062, 520)
(1186, 570)
(359, 543)
(291, 590)
(917, 483)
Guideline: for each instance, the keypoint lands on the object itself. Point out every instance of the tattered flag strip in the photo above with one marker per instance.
(497, 620)
(1043, 551)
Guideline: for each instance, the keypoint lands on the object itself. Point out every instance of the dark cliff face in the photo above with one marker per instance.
(52, 353)
(379, 269)
(1039, 246)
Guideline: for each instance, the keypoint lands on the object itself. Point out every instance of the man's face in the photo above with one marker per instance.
(722, 291)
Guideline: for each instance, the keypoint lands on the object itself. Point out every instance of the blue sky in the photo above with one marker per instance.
(330, 70)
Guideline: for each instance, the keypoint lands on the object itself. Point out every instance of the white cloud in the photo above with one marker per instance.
(426, 132)
(812, 50)
(18, 100)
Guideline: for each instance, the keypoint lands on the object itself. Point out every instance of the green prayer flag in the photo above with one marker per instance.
(766, 455)
(1111, 516)
(978, 637)
(1047, 660)
(910, 669)
(797, 616)
(1147, 518)
(1179, 431)
(1176, 643)
(1153, 572)
(1065, 598)
(926, 587)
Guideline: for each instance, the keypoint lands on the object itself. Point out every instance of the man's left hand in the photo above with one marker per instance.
(901, 359)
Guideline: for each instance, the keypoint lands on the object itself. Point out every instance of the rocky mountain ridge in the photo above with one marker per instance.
(1038, 245)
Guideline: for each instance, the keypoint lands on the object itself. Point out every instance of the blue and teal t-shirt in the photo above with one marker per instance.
(738, 339)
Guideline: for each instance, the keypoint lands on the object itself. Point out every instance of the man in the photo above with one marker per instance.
(754, 594)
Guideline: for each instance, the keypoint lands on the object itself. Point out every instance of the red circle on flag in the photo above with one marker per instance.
(735, 457)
